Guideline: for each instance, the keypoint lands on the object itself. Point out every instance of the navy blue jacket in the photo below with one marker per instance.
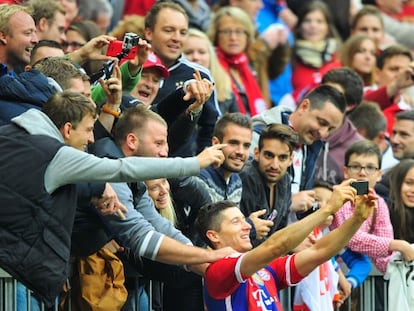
(180, 72)
(22, 92)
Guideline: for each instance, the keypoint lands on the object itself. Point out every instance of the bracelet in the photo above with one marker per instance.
(192, 114)
(108, 110)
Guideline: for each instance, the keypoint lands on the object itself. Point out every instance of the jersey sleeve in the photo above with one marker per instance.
(284, 270)
(223, 276)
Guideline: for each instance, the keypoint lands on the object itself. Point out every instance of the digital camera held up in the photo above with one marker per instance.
(126, 49)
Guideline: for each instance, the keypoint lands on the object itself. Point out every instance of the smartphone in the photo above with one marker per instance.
(115, 49)
(272, 215)
(361, 186)
(313, 209)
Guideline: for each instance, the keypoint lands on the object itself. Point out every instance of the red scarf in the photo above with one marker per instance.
(254, 96)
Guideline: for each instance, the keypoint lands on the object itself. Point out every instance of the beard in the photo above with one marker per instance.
(230, 168)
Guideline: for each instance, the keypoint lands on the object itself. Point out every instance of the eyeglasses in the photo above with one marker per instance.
(74, 44)
(357, 168)
(229, 32)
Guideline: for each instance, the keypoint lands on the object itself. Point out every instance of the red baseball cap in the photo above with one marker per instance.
(153, 61)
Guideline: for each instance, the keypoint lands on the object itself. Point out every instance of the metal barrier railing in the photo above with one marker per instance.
(372, 295)
(367, 295)
(9, 295)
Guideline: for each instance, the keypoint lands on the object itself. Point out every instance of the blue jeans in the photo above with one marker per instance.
(22, 301)
(137, 297)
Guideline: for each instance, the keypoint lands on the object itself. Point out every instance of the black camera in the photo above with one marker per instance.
(360, 186)
(130, 40)
(314, 208)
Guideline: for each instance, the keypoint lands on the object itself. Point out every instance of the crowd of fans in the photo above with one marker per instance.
(200, 155)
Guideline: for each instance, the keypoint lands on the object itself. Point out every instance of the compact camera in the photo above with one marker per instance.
(126, 49)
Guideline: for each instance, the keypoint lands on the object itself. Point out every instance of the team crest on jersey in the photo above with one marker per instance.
(264, 275)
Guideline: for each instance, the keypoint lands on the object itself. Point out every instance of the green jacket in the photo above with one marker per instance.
(128, 83)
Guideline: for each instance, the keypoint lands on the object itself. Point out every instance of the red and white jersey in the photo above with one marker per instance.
(226, 289)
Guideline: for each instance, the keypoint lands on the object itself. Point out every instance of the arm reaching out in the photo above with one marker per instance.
(283, 241)
(211, 155)
(333, 242)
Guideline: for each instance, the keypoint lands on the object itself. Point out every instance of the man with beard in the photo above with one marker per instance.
(402, 143)
(266, 186)
(319, 114)
(224, 183)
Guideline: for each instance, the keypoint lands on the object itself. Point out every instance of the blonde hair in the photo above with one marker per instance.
(7, 11)
(130, 23)
(169, 212)
(220, 76)
(239, 15)
(349, 49)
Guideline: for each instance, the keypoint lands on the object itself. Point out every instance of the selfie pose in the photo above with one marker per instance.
(251, 278)
(375, 238)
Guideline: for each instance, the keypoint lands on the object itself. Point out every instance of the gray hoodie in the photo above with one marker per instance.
(70, 166)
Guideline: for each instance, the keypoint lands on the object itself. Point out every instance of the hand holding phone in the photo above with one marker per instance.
(361, 186)
(312, 209)
(272, 215)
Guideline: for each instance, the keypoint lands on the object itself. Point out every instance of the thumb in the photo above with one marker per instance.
(258, 213)
(187, 96)
(101, 82)
(122, 207)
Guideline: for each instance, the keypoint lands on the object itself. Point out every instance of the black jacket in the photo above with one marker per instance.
(35, 226)
(180, 72)
(255, 195)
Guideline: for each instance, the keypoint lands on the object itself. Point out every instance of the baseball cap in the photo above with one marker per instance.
(153, 61)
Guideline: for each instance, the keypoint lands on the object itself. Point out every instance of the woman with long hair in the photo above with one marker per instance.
(316, 45)
(401, 200)
(159, 191)
(198, 48)
(359, 54)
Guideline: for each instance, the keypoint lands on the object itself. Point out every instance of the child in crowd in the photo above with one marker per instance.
(325, 287)
(375, 238)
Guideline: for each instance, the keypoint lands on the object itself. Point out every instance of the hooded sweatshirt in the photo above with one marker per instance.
(331, 161)
(38, 172)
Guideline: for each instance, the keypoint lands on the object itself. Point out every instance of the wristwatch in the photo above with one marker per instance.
(192, 114)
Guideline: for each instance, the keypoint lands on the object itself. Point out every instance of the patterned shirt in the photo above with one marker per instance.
(375, 244)
(219, 188)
